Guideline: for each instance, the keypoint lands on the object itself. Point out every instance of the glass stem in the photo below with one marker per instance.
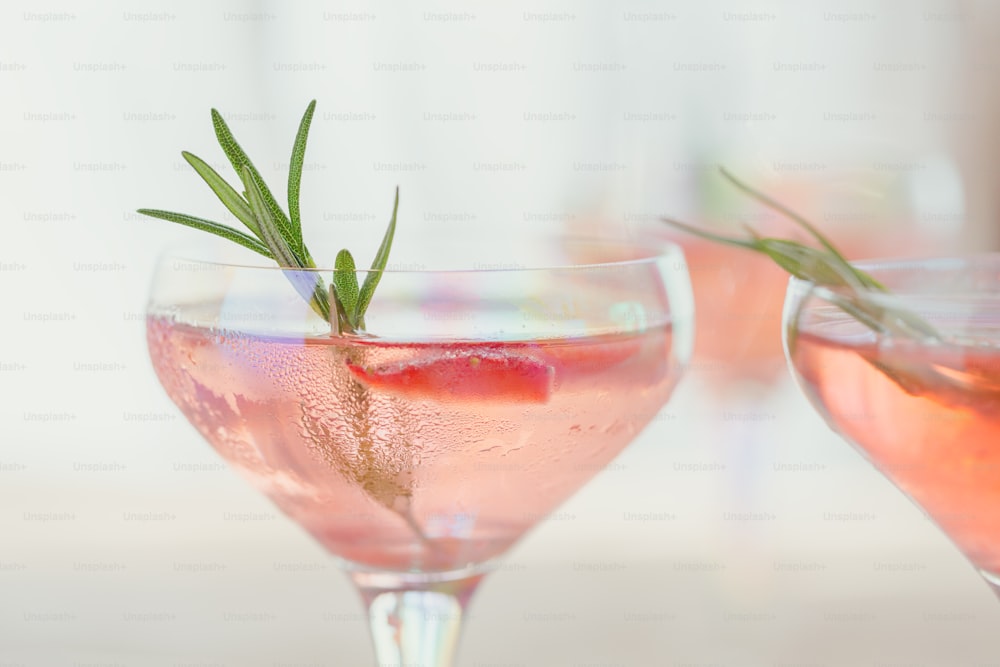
(416, 620)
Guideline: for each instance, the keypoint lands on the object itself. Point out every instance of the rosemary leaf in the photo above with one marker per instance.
(225, 192)
(345, 282)
(837, 257)
(712, 236)
(307, 283)
(808, 263)
(265, 221)
(295, 180)
(238, 158)
(319, 301)
(212, 227)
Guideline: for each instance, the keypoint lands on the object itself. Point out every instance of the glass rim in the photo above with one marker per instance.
(933, 263)
(948, 305)
(653, 253)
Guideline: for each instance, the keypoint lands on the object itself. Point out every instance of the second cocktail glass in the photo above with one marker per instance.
(924, 409)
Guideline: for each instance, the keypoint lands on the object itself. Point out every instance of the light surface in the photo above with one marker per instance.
(692, 548)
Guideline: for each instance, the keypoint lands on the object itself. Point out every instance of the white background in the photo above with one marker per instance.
(603, 107)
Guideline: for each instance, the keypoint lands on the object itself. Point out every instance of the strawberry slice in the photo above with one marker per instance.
(463, 377)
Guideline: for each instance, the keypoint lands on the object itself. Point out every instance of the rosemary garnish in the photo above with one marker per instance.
(858, 294)
(850, 288)
(387, 479)
(278, 236)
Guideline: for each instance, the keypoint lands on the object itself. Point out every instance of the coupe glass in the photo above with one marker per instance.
(926, 412)
(417, 454)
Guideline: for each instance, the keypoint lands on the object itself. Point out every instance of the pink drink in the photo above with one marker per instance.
(938, 439)
(428, 456)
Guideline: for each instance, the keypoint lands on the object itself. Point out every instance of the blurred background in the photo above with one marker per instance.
(737, 530)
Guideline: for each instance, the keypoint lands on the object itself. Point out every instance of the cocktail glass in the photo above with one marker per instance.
(419, 453)
(925, 412)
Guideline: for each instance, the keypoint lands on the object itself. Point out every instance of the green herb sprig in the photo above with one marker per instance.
(278, 236)
(382, 472)
(851, 288)
(946, 378)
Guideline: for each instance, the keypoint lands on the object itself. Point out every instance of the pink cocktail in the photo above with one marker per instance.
(924, 409)
(430, 456)
(417, 453)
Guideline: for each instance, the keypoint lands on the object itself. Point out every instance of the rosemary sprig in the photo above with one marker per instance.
(387, 479)
(851, 289)
(278, 236)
